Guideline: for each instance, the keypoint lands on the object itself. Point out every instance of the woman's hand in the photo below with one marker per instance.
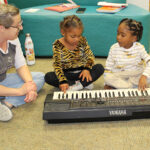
(31, 96)
(142, 82)
(27, 87)
(64, 87)
(85, 74)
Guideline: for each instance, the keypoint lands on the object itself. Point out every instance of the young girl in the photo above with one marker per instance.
(125, 63)
(73, 60)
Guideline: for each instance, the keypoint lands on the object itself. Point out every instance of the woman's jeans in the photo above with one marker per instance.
(14, 81)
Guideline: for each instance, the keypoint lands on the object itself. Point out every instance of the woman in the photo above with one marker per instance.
(20, 87)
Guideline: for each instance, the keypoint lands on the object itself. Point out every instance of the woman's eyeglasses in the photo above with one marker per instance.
(18, 26)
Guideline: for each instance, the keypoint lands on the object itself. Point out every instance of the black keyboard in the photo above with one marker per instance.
(96, 105)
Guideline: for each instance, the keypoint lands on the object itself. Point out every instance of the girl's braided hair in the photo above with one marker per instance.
(71, 21)
(134, 26)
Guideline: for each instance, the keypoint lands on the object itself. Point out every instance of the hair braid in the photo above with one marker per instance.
(134, 26)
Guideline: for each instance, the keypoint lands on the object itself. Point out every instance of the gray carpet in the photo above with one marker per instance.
(27, 130)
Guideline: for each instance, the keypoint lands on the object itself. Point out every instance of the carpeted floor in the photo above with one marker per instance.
(27, 130)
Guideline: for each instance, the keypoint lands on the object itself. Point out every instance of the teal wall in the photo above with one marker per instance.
(31, 3)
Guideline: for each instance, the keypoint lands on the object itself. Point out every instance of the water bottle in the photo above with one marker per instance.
(29, 50)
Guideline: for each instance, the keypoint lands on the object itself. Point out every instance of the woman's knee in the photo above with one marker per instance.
(38, 78)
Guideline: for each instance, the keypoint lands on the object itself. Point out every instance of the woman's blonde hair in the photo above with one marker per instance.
(6, 13)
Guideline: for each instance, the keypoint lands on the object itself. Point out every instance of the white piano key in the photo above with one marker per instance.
(111, 95)
(126, 93)
(61, 95)
(133, 94)
(69, 94)
(84, 94)
(97, 94)
(146, 93)
(102, 93)
(116, 93)
(143, 93)
(79, 94)
(74, 95)
(93, 94)
(55, 95)
(87, 95)
(139, 93)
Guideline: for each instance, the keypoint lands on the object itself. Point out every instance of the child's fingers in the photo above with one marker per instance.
(80, 75)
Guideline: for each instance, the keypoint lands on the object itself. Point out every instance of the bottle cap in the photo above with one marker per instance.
(27, 34)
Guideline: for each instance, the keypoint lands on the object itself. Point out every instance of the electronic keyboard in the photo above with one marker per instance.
(96, 105)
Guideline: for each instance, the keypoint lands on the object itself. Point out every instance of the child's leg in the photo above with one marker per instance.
(117, 81)
(51, 79)
(14, 81)
(96, 71)
(124, 79)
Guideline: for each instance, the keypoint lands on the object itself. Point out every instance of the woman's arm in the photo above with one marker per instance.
(24, 89)
(24, 73)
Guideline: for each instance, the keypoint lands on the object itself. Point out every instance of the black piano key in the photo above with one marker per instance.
(72, 96)
(86, 95)
(96, 95)
(90, 95)
(132, 93)
(109, 94)
(59, 96)
(142, 92)
(123, 94)
(113, 94)
(100, 95)
(106, 94)
(129, 94)
(82, 96)
(136, 93)
(119, 94)
(66, 95)
(146, 92)
(77, 96)
(63, 96)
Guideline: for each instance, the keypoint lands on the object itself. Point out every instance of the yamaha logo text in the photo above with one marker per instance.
(117, 112)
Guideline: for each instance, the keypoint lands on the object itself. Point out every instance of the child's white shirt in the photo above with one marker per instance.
(121, 59)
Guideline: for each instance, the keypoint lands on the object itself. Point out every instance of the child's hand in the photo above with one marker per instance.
(64, 87)
(142, 82)
(85, 74)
